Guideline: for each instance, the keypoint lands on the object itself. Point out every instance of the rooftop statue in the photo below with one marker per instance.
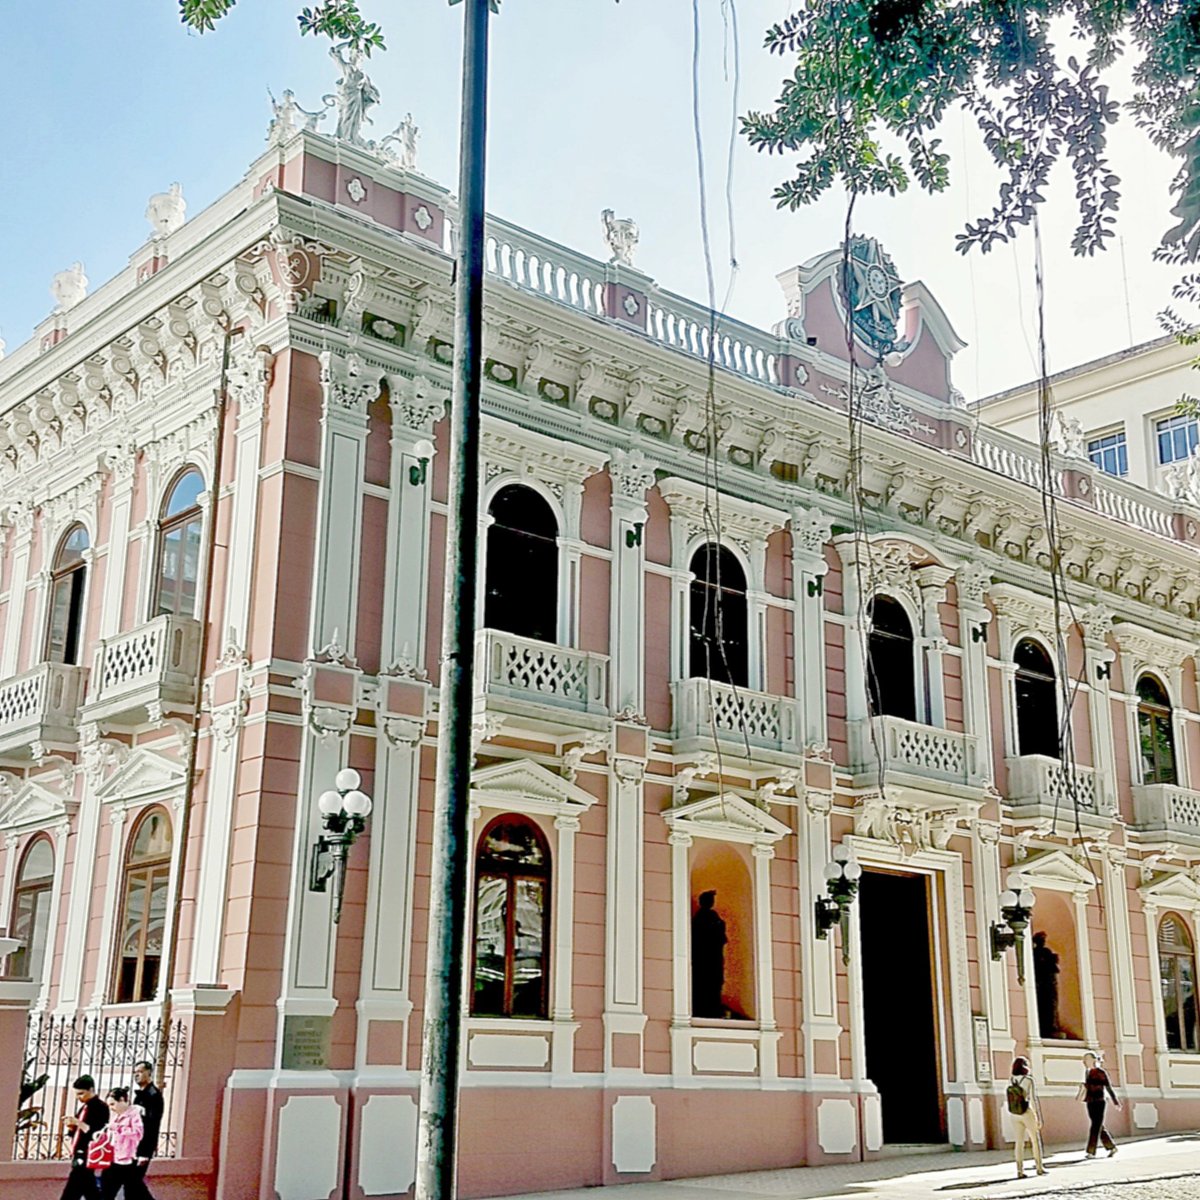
(355, 95)
(289, 117)
(1067, 436)
(622, 237)
(69, 287)
(167, 211)
(404, 139)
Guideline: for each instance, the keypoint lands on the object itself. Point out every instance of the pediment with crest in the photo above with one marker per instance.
(1172, 889)
(726, 817)
(144, 774)
(528, 787)
(1056, 869)
(28, 804)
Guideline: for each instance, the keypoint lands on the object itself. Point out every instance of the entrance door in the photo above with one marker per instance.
(898, 1005)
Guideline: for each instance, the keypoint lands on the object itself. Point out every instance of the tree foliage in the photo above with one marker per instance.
(874, 79)
(339, 20)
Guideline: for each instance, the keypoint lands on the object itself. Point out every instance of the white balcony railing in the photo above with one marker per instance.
(519, 668)
(1039, 779)
(924, 751)
(154, 664)
(737, 715)
(1166, 806)
(41, 705)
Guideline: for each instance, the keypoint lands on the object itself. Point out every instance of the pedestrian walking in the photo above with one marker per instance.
(89, 1118)
(1026, 1115)
(149, 1099)
(125, 1133)
(1092, 1092)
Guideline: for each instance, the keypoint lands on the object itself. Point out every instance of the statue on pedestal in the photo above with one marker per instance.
(1045, 981)
(355, 95)
(708, 959)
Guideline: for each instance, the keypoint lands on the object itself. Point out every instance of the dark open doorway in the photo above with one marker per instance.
(898, 1005)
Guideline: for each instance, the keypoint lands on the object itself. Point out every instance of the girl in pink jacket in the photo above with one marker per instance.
(125, 1132)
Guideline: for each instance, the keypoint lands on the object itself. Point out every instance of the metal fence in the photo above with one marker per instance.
(62, 1048)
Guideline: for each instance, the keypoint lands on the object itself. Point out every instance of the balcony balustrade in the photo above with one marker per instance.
(922, 754)
(1166, 807)
(39, 710)
(511, 668)
(706, 709)
(145, 672)
(1037, 779)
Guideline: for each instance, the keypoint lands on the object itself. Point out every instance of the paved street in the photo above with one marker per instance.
(1164, 1168)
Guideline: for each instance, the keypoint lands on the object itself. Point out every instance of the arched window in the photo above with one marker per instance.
(1155, 732)
(521, 594)
(1037, 702)
(512, 891)
(718, 634)
(1177, 968)
(143, 920)
(179, 530)
(67, 580)
(891, 678)
(31, 909)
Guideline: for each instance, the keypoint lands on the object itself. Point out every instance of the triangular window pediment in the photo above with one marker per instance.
(30, 804)
(144, 773)
(1055, 869)
(528, 787)
(729, 817)
(1173, 888)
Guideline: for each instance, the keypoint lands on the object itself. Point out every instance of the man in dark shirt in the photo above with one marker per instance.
(90, 1117)
(150, 1100)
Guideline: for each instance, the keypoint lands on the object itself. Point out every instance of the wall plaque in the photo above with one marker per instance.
(306, 1043)
(983, 1050)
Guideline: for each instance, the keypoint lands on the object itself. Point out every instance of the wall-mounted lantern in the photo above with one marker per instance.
(841, 882)
(1016, 906)
(633, 537)
(423, 451)
(344, 809)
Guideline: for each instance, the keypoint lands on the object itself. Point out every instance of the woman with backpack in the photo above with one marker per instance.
(1092, 1091)
(1026, 1115)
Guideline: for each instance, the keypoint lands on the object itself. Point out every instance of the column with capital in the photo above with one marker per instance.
(932, 580)
(632, 475)
(810, 529)
(971, 582)
(1120, 953)
(1095, 622)
(764, 959)
(20, 516)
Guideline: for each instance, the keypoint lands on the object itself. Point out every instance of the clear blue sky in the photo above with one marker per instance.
(107, 103)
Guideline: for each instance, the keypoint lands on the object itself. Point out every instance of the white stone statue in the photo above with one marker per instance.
(3, 347)
(404, 138)
(167, 211)
(621, 236)
(1182, 480)
(69, 287)
(1067, 435)
(355, 95)
(289, 116)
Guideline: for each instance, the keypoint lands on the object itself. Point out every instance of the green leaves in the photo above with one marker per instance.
(338, 20)
(202, 15)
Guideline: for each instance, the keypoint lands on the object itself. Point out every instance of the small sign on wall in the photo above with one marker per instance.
(306, 1043)
(983, 1050)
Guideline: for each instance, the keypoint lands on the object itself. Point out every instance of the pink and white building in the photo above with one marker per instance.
(223, 479)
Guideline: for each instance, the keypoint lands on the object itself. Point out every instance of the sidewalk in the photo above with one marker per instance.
(981, 1175)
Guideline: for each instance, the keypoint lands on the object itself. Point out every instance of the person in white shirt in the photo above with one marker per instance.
(1026, 1115)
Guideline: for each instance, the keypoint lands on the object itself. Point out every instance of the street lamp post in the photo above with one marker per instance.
(344, 809)
(842, 874)
(1016, 907)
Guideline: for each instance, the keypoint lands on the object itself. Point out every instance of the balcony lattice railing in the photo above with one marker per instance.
(154, 663)
(523, 669)
(1040, 779)
(1166, 806)
(738, 715)
(41, 705)
(925, 751)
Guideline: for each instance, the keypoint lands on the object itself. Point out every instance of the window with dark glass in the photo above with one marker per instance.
(1177, 437)
(1109, 452)
(521, 590)
(68, 578)
(1177, 968)
(31, 910)
(1156, 734)
(891, 674)
(718, 641)
(179, 532)
(512, 892)
(1037, 701)
(143, 919)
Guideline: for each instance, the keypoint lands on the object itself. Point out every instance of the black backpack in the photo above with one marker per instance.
(1018, 1099)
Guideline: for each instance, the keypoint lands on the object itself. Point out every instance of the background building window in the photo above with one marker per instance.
(1177, 967)
(512, 890)
(31, 910)
(718, 642)
(1110, 453)
(143, 921)
(179, 533)
(1156, 734)
(1037, 702)
(67, 581)
(891, 679)
(521, 588)
(1177, 438)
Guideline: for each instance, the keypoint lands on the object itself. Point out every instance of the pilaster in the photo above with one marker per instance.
(810, 529)
(632, 475)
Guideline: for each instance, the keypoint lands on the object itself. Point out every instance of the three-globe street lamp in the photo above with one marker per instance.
(842, 874)
(1016, 906)
(344, 809)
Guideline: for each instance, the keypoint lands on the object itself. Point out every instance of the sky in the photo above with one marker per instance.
(591, 108)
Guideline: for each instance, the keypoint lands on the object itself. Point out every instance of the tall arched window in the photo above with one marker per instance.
(718, 644)
(512, 930)
(1177, 967)
(521, 594)
(143, 920)
(1037, 701)
(891, 677)
(31, 909)
(179, 531)
(67, 580)
(1156, 734)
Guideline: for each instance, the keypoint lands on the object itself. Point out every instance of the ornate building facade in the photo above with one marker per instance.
(737, 651)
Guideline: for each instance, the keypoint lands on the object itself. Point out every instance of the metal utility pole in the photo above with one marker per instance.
(437, 1146)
